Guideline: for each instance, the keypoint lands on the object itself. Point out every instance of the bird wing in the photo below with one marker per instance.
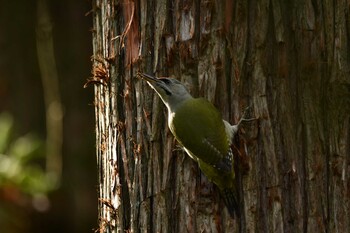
(198, 126)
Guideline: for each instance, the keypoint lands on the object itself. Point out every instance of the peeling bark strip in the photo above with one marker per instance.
(289, 60)
(131, 31)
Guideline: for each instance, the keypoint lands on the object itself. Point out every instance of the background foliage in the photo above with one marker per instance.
(27, 202)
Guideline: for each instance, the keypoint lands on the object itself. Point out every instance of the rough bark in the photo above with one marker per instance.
(288, 60)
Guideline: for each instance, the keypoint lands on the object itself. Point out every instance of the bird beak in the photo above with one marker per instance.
(149, 78)
(157, 84)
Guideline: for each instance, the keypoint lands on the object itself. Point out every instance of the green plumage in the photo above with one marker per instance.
(199, 127)
(197, 121)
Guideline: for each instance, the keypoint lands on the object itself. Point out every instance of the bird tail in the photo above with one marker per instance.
(230, 198)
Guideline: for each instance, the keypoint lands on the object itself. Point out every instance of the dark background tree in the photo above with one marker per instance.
(72, 207)
(288, 60)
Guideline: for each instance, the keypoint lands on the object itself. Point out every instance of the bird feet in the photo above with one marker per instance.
(243, 119)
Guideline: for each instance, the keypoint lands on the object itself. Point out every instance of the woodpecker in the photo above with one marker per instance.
(198, 126)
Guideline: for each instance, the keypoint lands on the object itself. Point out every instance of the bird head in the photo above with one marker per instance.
(170, 90)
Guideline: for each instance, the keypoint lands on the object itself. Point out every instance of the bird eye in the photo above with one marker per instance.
(167, 92)
(166, 81)
(165, 88)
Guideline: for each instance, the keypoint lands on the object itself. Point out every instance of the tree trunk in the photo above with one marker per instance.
(288, 60)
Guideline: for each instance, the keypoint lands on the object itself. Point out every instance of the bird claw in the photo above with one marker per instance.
(245, 113)
(243, 119)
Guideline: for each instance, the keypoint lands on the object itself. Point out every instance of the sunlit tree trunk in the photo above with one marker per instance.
(288, 60)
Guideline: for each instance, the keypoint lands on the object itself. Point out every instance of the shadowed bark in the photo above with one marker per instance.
(288, 60)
